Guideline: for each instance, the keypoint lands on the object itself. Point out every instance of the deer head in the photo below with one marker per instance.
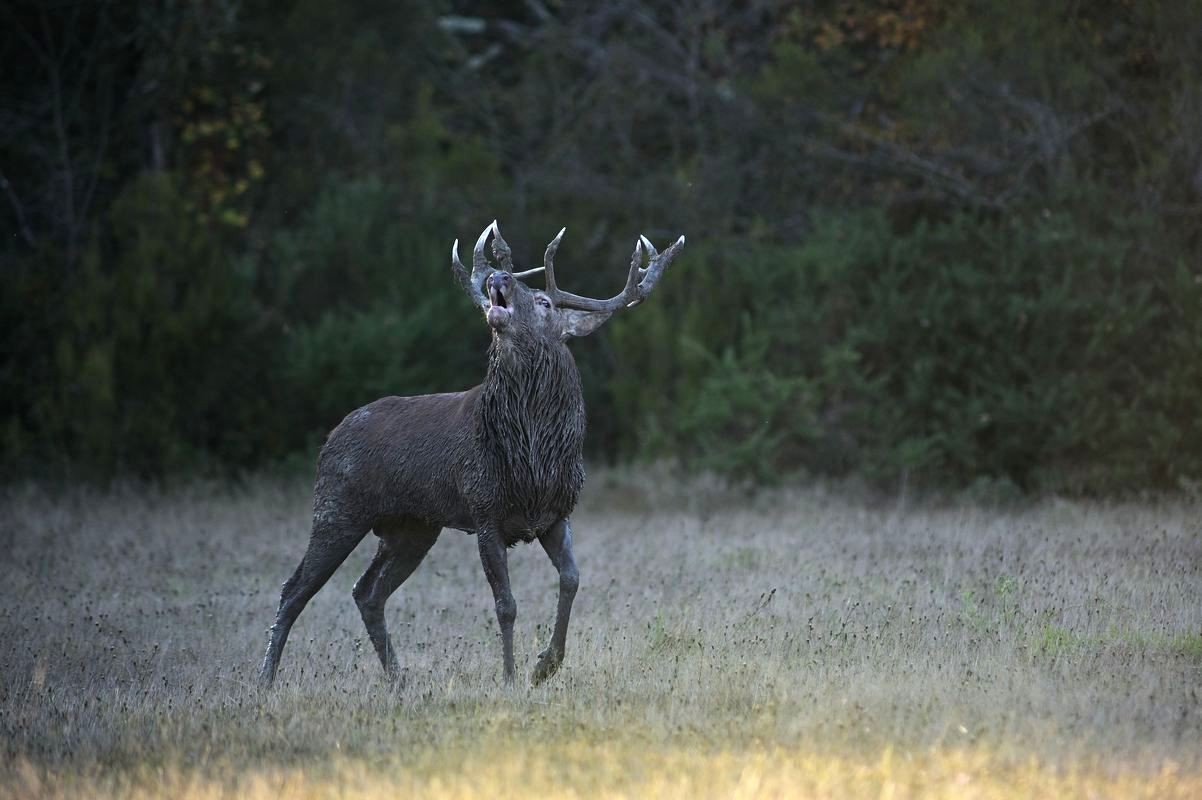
(512, 308)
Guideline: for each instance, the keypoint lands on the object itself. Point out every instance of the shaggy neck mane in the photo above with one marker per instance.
(530, 425)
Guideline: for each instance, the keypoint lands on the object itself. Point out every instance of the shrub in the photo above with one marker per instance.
(971, 347)
(154, 352)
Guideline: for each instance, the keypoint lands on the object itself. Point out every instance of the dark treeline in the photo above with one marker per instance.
(958, 241)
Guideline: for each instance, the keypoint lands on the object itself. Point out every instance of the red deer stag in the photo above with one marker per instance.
(501, 460)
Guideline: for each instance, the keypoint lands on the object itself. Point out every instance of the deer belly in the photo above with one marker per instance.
(526, 527)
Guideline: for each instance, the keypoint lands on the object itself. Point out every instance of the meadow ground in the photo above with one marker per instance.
(796, 643)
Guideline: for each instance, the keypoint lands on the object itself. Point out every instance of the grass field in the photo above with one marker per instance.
(796, 643)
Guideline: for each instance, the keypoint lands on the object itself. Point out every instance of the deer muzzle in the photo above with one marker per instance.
(500, 297)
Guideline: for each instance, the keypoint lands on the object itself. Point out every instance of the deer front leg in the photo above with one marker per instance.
(557, 542)
(496, 569)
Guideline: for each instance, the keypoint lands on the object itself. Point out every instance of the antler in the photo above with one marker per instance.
(501, 251)
(639, 281)
(473, 284)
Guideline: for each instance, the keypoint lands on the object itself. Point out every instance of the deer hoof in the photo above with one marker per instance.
(546, 666)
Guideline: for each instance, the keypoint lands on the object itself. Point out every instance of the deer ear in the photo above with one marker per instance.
(581, 323)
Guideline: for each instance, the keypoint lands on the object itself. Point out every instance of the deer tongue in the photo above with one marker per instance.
(498, 316)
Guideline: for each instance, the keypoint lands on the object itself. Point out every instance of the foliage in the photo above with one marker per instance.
(947, 240)
(144, 364)
(954, 349)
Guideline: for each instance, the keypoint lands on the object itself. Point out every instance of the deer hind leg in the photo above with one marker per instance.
(557, 542)
(329, 545)
(401, 549)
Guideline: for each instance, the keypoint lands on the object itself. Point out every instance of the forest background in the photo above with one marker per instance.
(955, 243)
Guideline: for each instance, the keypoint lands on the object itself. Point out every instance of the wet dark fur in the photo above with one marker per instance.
(529, 437)
(508, 450)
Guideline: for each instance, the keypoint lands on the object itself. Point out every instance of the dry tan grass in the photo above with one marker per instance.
(794, 643)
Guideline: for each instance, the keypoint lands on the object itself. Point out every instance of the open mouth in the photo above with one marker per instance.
(499, 310)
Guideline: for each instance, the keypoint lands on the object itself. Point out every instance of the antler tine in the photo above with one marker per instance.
(461, 273)
(629, 295)
(651, 252)
(655, 268)
(535, 270)
(549, 259)
(650, 248)
(473, 284)
(480, 263)
(481, 269)
(500, 249)
(639, 282)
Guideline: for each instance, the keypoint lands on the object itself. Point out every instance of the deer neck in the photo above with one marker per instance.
(533, 387)
(530, 424)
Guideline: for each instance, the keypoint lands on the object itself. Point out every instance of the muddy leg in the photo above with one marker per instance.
(329, 545)
(401, 550)
(557, 542)
(496, 569)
